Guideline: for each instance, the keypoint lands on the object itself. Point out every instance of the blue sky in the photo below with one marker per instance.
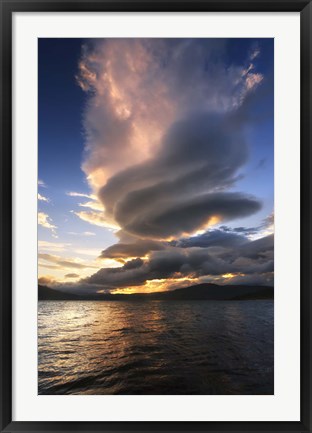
(61, 145)
(110, 113)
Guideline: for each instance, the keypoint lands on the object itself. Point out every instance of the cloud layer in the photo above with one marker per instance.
(235, 262)
(165, 132)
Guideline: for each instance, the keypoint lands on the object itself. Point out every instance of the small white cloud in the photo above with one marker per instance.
(80, 194)
(43, 198)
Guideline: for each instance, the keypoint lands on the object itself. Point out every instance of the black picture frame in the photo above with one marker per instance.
(8, 7)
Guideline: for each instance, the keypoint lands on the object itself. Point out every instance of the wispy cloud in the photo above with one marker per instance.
(80, 194)
(82, 233)
(47, 266)
(266, 228)
(64, 262)
(52, 246)
(45, 221)
(41, 183)
(255, 53)
(97, 219)
(94, 205)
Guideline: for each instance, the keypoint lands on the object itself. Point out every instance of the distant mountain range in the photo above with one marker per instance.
(199, 292)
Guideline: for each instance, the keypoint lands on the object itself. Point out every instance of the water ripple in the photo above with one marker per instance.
(156, 347)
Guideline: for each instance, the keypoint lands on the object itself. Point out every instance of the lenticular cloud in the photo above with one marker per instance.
(164, 137)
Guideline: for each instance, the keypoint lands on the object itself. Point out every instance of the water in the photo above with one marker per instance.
(155, 347)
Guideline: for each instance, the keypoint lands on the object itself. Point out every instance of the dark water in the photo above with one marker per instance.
(156, 347)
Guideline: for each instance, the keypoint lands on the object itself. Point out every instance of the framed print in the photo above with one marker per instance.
(155, 216)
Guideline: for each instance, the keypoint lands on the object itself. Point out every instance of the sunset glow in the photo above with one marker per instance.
(156, 170)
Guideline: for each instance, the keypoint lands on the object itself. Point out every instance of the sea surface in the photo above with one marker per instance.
(155, 347)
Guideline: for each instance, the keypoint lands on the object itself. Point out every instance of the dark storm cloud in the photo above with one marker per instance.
(222, 237)
(263, 279)
(182, 187)
(260, 248)
(252, 257)
(267, 223)
(133, 264)
(177, 218)
(246, 230)
(216, 237)
(138, 248)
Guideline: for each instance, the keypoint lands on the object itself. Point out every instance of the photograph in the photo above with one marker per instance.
(155, 216)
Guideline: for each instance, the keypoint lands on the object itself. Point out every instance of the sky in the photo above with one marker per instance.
(156, 163)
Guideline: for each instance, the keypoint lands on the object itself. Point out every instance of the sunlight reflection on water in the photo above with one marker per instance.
(155, 347)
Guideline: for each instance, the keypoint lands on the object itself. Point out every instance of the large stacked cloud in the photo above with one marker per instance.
(165, 147)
